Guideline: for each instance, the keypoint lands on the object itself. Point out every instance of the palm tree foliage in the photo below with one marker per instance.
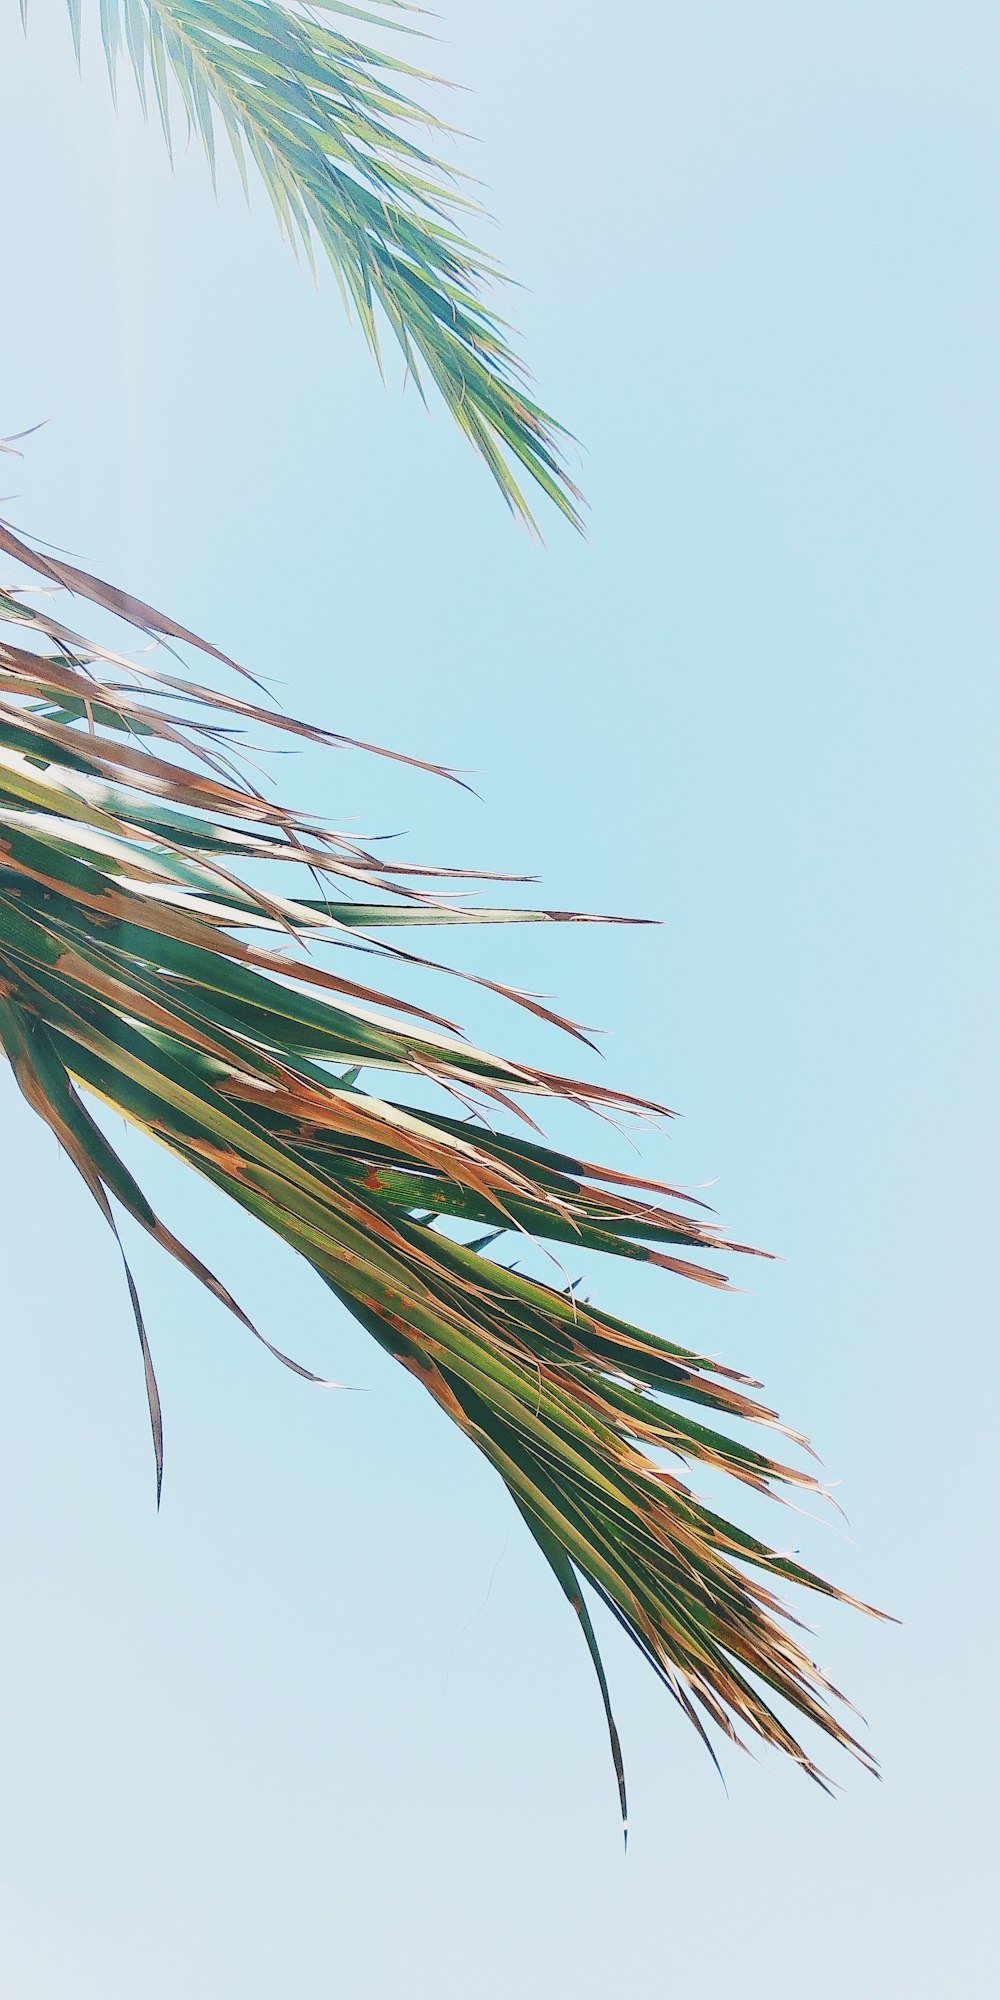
(331, 127)
(153, 958)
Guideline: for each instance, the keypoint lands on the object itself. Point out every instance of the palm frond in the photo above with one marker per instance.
(153, 958)
(351, 162)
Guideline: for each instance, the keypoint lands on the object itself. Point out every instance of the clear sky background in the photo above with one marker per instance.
(324, 1727)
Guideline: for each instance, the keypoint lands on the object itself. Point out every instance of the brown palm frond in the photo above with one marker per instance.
(143, 965)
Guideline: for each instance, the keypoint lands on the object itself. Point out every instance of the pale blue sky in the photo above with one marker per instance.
(255, 1746)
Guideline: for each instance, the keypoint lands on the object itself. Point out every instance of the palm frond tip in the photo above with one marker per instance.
(141, 964)
(351, 163)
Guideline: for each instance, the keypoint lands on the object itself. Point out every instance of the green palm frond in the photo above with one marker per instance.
(350, 160)
(151, 960)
